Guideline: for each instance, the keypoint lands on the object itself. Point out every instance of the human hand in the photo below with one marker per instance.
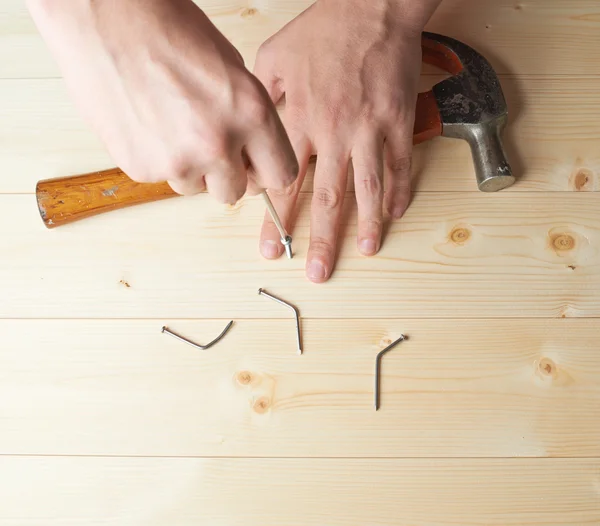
(168, 95)
(349, 70)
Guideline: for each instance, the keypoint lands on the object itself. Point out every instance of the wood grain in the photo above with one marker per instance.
(104, 420)
(471, 255)
(260, 492)
(552, 139)
(520, 37)
(65, 200)
(456, 388)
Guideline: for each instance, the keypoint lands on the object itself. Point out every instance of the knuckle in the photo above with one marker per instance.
(400, 165)
(285, 192)
(371, 116)
(256, 106)
(371, 185)
(287, 171)
(390, 109)
(321, 247)
(173, 167)
(331, 116)
(327, 197)
(373, 224)
(215, 148)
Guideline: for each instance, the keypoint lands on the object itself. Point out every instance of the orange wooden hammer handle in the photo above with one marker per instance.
(67, 199)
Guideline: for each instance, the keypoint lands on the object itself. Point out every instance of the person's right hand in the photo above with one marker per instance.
(168, 95)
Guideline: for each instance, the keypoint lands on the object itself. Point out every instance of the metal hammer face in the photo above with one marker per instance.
(470, 105)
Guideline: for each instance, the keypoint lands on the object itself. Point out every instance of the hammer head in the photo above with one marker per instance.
(472, 107)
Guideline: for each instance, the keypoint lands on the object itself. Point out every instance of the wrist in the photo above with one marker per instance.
(409, 15)
(413, 14)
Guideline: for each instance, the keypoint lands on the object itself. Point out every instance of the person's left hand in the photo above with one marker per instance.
(350, 71)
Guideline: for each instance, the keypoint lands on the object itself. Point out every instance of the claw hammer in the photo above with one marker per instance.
(468, 105)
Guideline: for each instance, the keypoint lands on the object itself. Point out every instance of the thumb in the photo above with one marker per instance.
(266, 71)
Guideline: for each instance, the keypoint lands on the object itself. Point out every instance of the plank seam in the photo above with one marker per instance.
(310, 318)
(224, 457)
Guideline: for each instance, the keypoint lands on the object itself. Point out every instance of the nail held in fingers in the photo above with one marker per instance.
(286, 239)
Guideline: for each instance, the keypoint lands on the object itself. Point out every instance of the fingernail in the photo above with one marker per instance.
(270, 249)
(368, 247)
(398, 211)
(316, 271)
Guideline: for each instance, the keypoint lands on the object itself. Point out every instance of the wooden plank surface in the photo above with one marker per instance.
(41, 136)
(471, 255)
(537, 37)
(456, 388)
(106, 421)
(153, 492)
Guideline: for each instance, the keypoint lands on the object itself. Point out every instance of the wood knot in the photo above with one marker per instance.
(518, 7)
(261, 406)
(460, 235)
(244, 378)
(547, 368)
(582, 180)
(125, 284)
(562, 242)
(249, 12)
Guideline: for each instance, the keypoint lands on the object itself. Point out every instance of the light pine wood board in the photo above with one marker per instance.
(455, 388)
(471, 255)
(253, 492)
(553, 139)
(473, 381)
(540, 37)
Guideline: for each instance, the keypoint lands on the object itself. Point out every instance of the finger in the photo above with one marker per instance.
(274, 163)
(226, 181)
(367, 161)
(331, 176)
(397, 178)
(193, 183)
(272, 157)
(264, 70)
(285, 203)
